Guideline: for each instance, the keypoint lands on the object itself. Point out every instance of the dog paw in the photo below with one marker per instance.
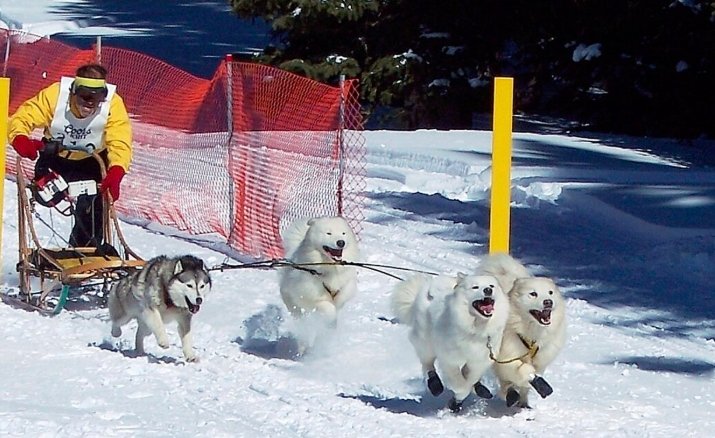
(193, 358)
(434, 383)
(116, 331)
(482, 391)
(541, 386)
(512, 396)
(301, 349)
(163, 343)
(454, 405)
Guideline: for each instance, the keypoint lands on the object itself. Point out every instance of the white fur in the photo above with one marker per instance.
(505, 268)
(322, 293)
(445, 327)
(526, 293)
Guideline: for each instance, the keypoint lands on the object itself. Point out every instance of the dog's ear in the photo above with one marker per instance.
(518, 283)
(178, 268)
(311, 221)
(460, 277)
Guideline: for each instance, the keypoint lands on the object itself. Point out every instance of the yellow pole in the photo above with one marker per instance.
(4, 108)
(501, 165)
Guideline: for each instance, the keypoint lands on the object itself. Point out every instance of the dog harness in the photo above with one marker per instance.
(531, 348)
(167, 298)
(332, 293)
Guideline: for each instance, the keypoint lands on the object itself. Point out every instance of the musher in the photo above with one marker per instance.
(85, 114)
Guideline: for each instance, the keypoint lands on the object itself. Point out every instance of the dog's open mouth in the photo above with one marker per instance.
(543, 316)
(335, 253)
(484, 306)
(193, 308)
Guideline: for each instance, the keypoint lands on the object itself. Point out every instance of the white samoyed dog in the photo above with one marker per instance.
(454, 321)
(318, 286)
(535, 332)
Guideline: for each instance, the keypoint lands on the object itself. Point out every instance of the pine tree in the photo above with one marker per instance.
(640, 66)
(402, 52)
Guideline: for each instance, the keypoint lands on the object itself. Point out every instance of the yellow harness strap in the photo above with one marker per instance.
(530, 345)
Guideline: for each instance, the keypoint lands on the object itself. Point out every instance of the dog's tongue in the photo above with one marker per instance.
(543, 316)
(193, 308)
(336, 253)
(485, 306)
(546, 316)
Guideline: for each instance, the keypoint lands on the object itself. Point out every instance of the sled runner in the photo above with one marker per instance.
(49, 274)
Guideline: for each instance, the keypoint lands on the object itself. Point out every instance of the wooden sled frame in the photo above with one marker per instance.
(72, 266)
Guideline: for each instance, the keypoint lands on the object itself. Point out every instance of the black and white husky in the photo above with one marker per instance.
(166, 289)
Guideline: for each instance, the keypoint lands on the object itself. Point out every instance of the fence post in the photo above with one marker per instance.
(341, 145)
(98, 50)
(229, 127)
(4, 108)
(501, 165)
(7, 54)
(229, 94)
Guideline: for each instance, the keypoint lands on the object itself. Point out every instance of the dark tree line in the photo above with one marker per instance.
(645, 67)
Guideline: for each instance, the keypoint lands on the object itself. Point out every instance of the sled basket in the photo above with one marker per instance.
(47, 275)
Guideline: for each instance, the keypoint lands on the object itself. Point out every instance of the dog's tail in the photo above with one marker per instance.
(404, 296)
(505, 268)
(293, 235)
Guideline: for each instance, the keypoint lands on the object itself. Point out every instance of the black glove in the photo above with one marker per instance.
(52, 146)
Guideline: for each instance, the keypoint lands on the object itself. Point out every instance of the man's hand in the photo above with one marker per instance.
(112, 180)
(26, 147)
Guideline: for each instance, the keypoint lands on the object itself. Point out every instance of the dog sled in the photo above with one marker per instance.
(49, 275)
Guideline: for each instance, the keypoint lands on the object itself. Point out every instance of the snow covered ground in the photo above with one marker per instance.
(625, 226)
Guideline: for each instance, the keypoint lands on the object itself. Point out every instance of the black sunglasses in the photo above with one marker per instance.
(90, 98)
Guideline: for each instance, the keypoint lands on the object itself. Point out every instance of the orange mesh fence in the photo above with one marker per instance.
(234, 159)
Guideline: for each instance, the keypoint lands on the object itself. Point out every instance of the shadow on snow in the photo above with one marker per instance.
(600, 259)
(667, 364)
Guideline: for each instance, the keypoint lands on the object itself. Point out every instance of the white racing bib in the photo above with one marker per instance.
(86, 134)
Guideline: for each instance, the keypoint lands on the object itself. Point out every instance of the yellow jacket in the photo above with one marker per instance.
(38, 112)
